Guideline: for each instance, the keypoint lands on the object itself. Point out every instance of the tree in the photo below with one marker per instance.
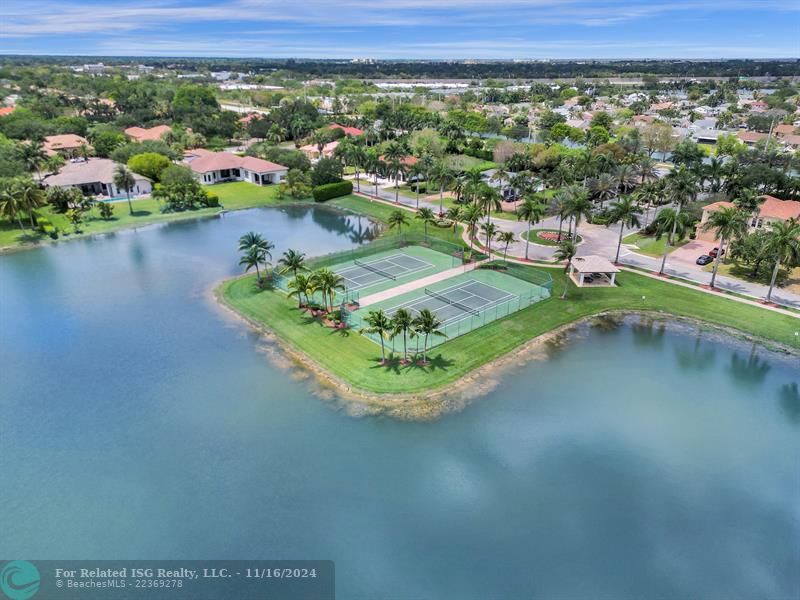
(293, 261)
(300, 286)
(442, 176)
(489, 230)
(397, 220)
(255, 246)
(402, 323)
(506, 237)
(657, 137)
(34, 156)
(488, 198)
(124, 180)
(252, 258)
(784, 245)
(626, 213)
(426, 324)
(10, 206)
(426, 216)
(149, 164)
(674, 224)
(75, 217)
(566, 250)
(579, 206)
(727, 223)
(29, 196)
(327, 170)
(454, 216)
(603, 187)
(532, 211)
(471, 215)
(106, 210)
(327, 282)
(378, 323)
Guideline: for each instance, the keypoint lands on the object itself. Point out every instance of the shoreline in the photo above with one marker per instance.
(449, 396)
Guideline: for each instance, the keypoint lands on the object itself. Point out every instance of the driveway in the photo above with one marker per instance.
(688, 254)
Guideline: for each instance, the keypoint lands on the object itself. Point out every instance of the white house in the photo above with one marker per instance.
(215, 167)
(95, 177)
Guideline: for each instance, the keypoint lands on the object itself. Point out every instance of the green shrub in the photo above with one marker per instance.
(325, 192)
(212, 200)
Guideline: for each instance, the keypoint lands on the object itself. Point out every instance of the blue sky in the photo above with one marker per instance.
(405, 28)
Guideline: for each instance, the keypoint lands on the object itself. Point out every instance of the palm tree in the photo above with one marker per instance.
(488, 199)
(625, 176)
(561, 205)
(426, 216)
(506, 237)
(124, 180)
(626, 213)
(728, 223)
(327, 282)
(300, 286)
(426, 324)
(29, 196)
(604, 187)
(647, 169)
(532, 211)
(251, 239)
(441, 174)
(397, 219)
(471, 215)
(380, 323)
(33, 155)
(674, 224)
(10, 206)
(566, 251)
(579, 206)
(401, 323)
(252, 257)
(454, 216)
(396, 168)
(293, 261)
(784, 244)
(489, 229)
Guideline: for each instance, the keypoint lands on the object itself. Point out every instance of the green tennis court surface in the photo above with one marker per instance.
(462, 303)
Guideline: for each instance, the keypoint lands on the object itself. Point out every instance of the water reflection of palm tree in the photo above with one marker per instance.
(646, 333)
(700, 357)
(790, 401)
(357, 233)
(751, 370)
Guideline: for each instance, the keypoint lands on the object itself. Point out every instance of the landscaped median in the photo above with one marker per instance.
(352, 361)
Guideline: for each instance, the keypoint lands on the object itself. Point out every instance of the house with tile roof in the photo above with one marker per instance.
(353, 131)
(141, 134)
(771, 210)
(66, 145)
(216, 167)
(95, 177)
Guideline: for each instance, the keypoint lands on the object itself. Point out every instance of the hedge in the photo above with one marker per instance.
(325, 192)
(482, 154)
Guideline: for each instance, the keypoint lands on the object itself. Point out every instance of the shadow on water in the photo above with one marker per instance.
(750, 370)
(790, 402)
(699, 357)
(649, 333)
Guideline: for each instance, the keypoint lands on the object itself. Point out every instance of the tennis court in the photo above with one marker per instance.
(462, 304)
(456, 302)
(368, 272)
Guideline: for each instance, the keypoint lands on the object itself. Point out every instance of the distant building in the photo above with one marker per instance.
(216, 167)
(95, 177)
(67, 145)
(141, 134)
(353, 131)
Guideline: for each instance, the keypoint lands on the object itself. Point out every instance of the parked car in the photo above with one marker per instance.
(714, 252)
(704, 260)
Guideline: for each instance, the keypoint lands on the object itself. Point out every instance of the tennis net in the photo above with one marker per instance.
(369, 267)
(443, 298)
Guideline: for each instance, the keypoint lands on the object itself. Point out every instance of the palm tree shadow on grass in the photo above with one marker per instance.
(393, 363)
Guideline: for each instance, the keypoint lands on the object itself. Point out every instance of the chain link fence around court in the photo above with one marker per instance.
(455, 328)
(343, 257)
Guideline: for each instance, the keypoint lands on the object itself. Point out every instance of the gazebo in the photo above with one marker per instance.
(594, 271)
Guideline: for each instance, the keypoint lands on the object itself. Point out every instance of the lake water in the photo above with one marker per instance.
(138, 421)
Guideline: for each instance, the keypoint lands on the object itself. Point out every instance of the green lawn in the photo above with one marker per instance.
(380, 211)
(649, 245)
(354, 359)
(233, 196)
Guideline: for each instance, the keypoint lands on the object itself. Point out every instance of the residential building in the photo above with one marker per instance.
(141, 134)
(771, 210)
(95, 177)
(67, 145)
(313, 153)
(215, 167)
(353, 131)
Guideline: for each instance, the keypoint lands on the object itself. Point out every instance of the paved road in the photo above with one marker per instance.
(602, 241)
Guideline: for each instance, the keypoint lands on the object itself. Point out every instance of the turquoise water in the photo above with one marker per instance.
(138, 421)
